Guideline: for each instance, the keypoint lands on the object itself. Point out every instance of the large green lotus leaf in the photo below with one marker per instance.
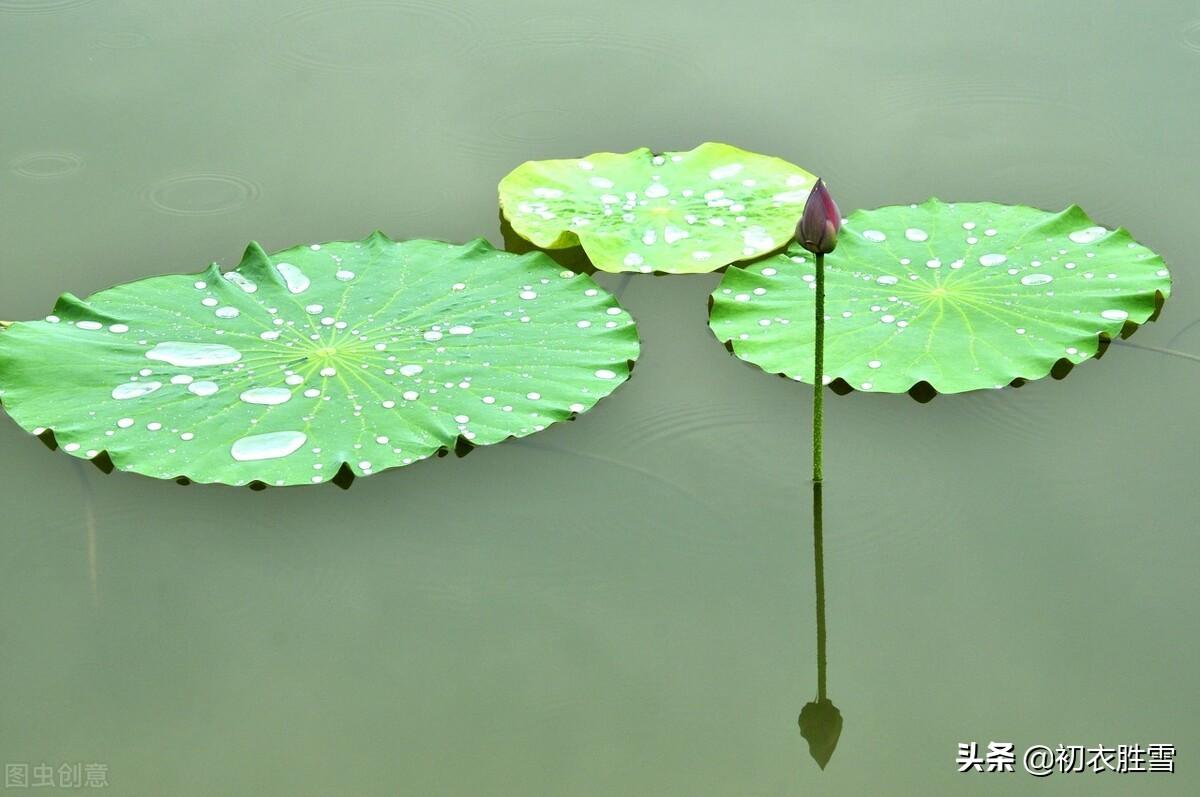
(951, 297)
(340, 358)
(676, 213)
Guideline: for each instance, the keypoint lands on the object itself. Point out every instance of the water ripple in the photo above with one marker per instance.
(1189, 35)
(39, 6)
(47, 165)
(201, 194)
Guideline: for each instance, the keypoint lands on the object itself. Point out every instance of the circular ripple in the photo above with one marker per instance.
(39, 6)
(206, 194)
(1189, 35)
(382, 34)
(47, 165)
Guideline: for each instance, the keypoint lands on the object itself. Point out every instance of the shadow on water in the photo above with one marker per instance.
(820, 720)
(572, 258)
(89, 526)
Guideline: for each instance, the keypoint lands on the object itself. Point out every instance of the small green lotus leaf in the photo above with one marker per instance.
(340, 358)
(952, 297)
(677, 213)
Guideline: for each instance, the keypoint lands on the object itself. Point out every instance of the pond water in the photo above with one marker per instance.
(623, 605)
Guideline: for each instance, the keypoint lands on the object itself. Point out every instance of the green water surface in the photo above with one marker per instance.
(623, 605)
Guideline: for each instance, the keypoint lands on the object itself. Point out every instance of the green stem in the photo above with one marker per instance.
(819, 370)
(819, 570)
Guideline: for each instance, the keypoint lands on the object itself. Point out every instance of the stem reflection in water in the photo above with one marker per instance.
(820, 720)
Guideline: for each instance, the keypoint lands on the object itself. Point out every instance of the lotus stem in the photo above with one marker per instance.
(818, 369)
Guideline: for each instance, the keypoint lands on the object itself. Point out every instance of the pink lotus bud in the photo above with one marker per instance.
(818, 228)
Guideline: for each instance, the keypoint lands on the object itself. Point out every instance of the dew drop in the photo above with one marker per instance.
(266, 395)
(293, 277)
(204, 388)
(1088, 235)
(188, 355)
(1114, 315)
(874, 235)
(725, 172)
(239, 280)
(992, 259)
(1036, 279)
(132, 390)
(272, 445)
(916, 234)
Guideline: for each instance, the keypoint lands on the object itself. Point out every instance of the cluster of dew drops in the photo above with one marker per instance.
(719, 208)
(206, 366)
(893, 310)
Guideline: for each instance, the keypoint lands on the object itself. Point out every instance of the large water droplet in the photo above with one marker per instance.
(239, 280)
(203, 388)
(266, 395)
(1036, 279)
(992, 260)
(187, 355)
(296, 280)
(272, 445)
(1088, 235)
(1114, 315)
(132, 390)
(723, 172)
